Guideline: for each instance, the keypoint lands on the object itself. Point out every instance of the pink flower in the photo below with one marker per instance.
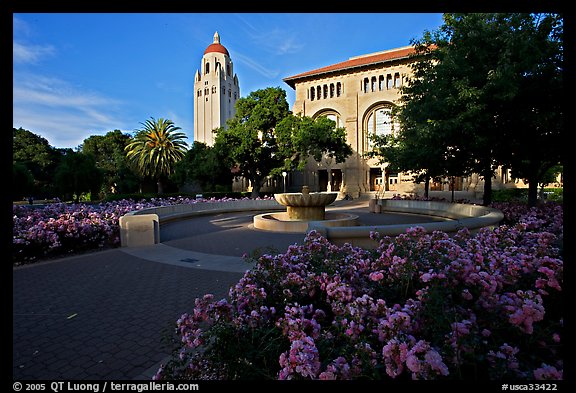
(547, 372)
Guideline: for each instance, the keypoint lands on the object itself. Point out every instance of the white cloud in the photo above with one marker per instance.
(289, 46)
(63, 114)
(30, 53)
(20, 27)
(255, 65)
(276, 41)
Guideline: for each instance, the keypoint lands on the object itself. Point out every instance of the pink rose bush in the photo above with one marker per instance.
(421, 306)
(60, 229)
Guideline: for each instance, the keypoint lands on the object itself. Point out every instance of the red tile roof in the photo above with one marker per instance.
(216, 47)
(381, 57)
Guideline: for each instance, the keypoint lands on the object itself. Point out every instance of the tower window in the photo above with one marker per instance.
(228, 69)
(207, 71)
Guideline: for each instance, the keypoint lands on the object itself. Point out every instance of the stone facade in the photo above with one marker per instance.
(359, 94)
(216, 91)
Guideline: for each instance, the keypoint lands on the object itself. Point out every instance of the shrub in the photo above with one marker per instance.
(421, 306)
(510, 195)
(60, 229)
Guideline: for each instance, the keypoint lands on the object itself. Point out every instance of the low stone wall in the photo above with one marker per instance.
(459, 216)
(142, 227)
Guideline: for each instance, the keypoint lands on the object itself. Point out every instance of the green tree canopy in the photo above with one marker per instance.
(156, 148)
(204, 166)
(476, 94)
(249, 138)
(264, 138)
(108, 151)
(300, 137)
(22, 181)
(77, 174)
(37, 156)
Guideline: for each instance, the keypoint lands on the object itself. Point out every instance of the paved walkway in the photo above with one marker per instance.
(111, 314)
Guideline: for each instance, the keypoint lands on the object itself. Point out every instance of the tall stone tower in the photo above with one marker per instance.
(216, 92)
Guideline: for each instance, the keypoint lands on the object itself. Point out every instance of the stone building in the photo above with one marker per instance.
(359, 94)
(216, 92)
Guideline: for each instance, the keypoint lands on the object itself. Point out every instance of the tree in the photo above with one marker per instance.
(22, 181)
(473, 94)
(264, 138)
(249, 138)
(108, 151)
(77, 174)
(533, 119)
(300, 137)
(156, 148)
(37, 156)
(417, 148)
(205, 166)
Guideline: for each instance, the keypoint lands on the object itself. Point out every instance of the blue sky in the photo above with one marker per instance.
(76, 75)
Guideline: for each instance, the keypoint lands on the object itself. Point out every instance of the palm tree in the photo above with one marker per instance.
(156, 148)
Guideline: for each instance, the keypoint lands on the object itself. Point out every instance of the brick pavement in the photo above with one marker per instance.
(104, 315)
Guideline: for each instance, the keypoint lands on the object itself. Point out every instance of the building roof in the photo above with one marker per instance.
(354, 62)
(216, 46)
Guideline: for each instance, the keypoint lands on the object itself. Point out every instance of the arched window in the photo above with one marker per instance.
(373, 83)
(381, 82)
(331, 90)
(388, 81)
(312, 91)
(318, 92)
(332, 115)
(379, 121)
(338, 89)
(207, 69)
(366, 83)
(325, 90)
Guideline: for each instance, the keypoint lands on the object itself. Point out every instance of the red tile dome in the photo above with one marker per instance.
(216, 46)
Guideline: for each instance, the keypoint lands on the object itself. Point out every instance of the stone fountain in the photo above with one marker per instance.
(301, 210)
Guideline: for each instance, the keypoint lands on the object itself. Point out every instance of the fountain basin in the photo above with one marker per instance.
(280, 222)
(306, 206)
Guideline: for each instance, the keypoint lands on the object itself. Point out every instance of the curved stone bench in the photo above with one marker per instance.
(459, 216)
(142, 227)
